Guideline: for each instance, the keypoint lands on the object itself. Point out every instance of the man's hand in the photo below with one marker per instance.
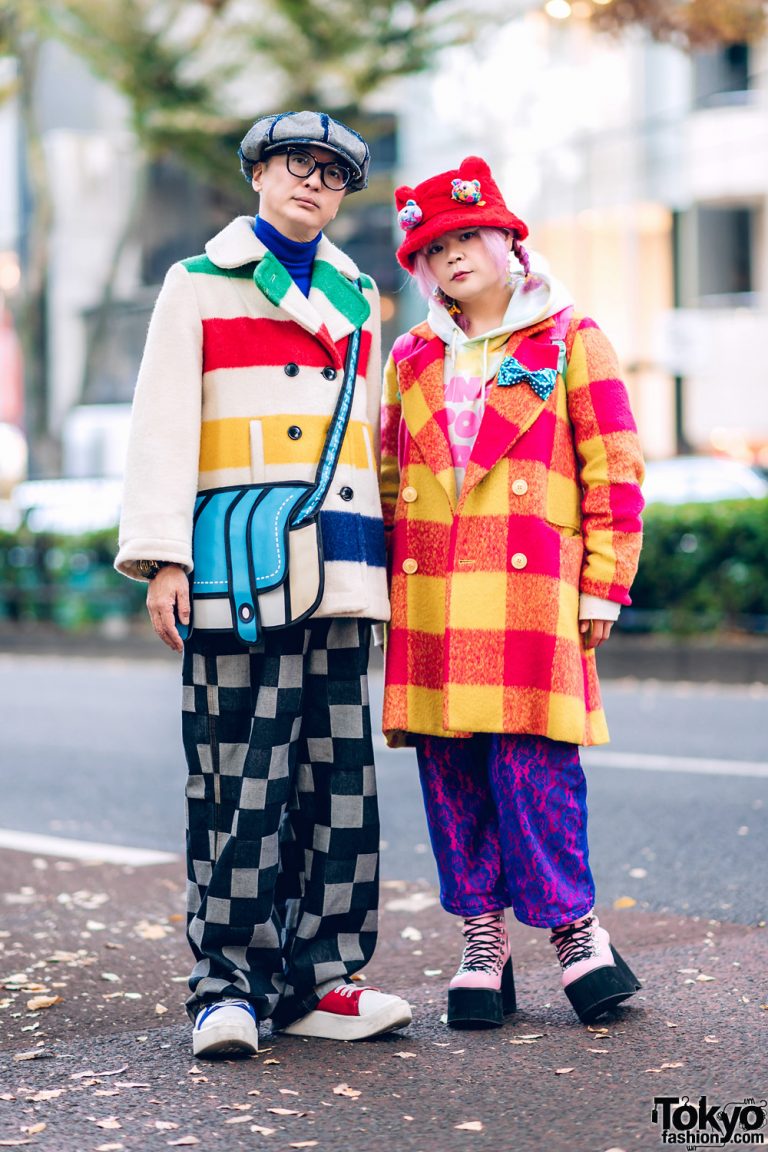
(168, 591)
(595, 632)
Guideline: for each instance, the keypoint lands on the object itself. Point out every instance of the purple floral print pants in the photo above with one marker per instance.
(507, 818)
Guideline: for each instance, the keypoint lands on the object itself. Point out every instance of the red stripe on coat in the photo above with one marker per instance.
(247, 342)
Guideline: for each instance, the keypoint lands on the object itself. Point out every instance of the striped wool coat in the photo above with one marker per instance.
(240, 376)
(485, 589)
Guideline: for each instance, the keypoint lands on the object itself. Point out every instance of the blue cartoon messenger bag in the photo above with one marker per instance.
(257, 548)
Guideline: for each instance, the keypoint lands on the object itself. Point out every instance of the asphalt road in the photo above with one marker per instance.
(678, 802)
(90, 753)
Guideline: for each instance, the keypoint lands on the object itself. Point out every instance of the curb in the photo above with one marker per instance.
(722, 659)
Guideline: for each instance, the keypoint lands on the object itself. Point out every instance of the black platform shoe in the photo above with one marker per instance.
(595, 977)
(482, 992)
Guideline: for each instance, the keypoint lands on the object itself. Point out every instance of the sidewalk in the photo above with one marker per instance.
(108, 1065)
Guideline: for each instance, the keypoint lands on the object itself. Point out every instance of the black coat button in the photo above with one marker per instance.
(291, 369)
(346, 492)
(294, 432)
(330, 373)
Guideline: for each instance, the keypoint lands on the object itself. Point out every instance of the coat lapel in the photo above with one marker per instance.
(510, 410)
(422, 394)
(334, 307)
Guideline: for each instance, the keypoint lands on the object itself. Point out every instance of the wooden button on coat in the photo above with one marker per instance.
(409, 494)
(520, 487)
(410, 566)
(519, 560)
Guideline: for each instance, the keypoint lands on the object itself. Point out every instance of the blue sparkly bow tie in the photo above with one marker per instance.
(541, 380)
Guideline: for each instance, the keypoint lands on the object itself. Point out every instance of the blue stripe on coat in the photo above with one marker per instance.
(349, 536)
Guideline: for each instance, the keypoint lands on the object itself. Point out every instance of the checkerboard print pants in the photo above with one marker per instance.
(282, 815)
(507, 818)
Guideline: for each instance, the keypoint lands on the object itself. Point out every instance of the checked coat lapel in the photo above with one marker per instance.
(510, 411)
(422, 396)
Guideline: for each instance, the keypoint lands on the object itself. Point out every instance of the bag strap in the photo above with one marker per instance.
(337, 428)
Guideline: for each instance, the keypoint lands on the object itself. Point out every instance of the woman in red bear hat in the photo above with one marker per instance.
(511, 475)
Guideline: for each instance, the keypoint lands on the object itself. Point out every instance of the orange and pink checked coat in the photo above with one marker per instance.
(485, 589)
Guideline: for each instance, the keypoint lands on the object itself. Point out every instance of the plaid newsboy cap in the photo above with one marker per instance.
(271, 133)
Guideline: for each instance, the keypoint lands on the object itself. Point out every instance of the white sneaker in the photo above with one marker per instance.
(352, 1013)
(226, 1028)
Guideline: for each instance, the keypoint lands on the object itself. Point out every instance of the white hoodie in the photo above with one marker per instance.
(471, 364)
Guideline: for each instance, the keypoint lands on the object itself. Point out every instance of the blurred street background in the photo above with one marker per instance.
(632, 137)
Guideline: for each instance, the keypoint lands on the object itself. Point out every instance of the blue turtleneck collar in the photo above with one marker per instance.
(296, 257)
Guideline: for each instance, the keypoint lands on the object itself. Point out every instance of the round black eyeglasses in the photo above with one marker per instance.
(302, 164)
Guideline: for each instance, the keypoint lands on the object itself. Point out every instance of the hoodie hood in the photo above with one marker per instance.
(538, 299)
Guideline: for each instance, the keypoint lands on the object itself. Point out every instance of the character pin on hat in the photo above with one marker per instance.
(467, 197)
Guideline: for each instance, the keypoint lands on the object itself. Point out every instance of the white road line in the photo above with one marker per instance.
(641, 761)
(648, 763)
(82, 849)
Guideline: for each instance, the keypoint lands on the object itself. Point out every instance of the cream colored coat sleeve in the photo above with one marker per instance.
(164, 445)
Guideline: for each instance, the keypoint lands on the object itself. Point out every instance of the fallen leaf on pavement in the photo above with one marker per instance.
(111, 977)
(33, 1129)
(305, 1144)
(160, 1009)
(702, 979)
(711, 1040)
(110, 1122)
(35, 1054)
(433, 971)
(131, 1084)
(263, 1131)
(470, 1126)
(562, 1071)
(149, 931)
(184, 1142)
(624, 902)
(345, 1090)
(110, 1148)
(38, 1002)
(404, 1055)
(286, 1112)
(239, 1120)
(271, 1061)
(165, 1126)
(666, 1064)
(599, 1051)
(597, 1031)
(46, 1094)
(14, 1143)
(410, 933)
(283, 1092)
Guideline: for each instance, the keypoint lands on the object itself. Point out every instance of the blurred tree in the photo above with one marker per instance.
(192, 70)
(689, 24)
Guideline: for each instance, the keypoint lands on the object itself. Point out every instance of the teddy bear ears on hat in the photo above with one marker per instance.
(471, 168)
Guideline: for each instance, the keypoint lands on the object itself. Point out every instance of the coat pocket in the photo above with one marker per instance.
(256, 442)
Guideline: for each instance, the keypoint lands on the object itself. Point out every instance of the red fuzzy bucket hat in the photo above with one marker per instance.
(467, 197)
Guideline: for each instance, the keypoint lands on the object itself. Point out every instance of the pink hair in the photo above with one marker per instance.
(495, 240)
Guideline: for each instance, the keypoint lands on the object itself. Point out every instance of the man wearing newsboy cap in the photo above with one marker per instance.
(241, 397)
